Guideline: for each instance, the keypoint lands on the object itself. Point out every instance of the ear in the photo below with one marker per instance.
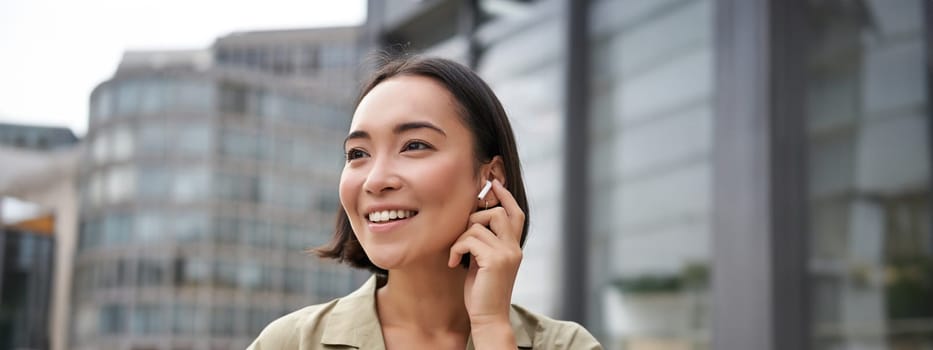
(495, 169)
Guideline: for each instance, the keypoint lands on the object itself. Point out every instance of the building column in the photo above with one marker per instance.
(575, 177)
(928, 49)
(759, 226)
(66, 242)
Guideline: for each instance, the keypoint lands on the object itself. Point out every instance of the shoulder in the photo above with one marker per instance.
(288, 331)
(546, 332)
(347, 321)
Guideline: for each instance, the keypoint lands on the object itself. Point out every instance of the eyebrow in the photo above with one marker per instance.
(403, 127)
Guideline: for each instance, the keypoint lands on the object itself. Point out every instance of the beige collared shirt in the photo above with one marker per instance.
(351, 321)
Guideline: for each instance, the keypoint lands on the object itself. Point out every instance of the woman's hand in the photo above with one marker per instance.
(493, 242)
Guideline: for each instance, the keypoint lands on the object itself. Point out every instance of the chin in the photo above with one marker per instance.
(385, 264)
(384, 258)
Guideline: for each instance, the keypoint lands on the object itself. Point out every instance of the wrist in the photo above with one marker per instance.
(492, 332)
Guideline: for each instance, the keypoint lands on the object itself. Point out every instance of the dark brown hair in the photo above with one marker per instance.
(481, 113)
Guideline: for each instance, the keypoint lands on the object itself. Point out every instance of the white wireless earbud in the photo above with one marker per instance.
(485, 190)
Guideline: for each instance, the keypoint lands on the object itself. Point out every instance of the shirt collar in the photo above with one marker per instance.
(354, 321)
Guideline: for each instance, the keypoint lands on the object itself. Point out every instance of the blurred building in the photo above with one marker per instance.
(36, 137)
(207, 175)
(38, 216)
(27, 252)
(711, 174)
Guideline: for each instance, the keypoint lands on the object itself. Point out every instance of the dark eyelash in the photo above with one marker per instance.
(425, 144)
(348, 155)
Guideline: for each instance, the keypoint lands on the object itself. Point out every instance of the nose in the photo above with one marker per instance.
(382, 177)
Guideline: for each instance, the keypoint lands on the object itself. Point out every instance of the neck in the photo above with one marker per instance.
(428, 298)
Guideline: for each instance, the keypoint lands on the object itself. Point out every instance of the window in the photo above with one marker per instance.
(249, 275)
(96, 188)
(150, 273)
(154, 96)
(239, 99)
(90, 235)
(100, 147)
(269, 280)
(259, 319)
(329, 281)
(193, 138)
(150, 226)
(154, 182)
(122, 143)
(103, 104)
(226, 230)
(239, 144)
(121, 183)
(191, 184)
(233, 98)
(195, 96)
(259, 234)
(225, 274)
(236, 187)
(87, 322)
(112, 319)
(190, 272)
(299, 196)
(271, 189)
(117, 229)
(147, 319)
(188, 319)
(296, 281)
(128, 97)
(152, 137)
(191, 226)
(271, 106)
(223, 321)
(298, 237)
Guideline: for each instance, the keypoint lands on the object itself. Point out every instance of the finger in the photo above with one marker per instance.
(514, 211)
(466, 244)
(475, 232)
(496, 219)
(484, 254)
(486, 249)
(485, 217)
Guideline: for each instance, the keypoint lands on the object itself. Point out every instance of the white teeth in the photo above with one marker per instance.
(386, 215)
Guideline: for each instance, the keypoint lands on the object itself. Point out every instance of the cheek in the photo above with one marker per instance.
(350, 185)
(447, 183)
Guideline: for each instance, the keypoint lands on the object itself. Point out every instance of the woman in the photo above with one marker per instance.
(426, 136)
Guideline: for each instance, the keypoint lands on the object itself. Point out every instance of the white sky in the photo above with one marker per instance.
(53, 52)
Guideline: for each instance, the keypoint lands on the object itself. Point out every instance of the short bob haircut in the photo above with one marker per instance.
(480, 111)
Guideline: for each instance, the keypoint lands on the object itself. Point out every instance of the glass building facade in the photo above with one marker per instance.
(755, 174)
(650, 138)
(870, 262)
(201, 190)
(26, 260)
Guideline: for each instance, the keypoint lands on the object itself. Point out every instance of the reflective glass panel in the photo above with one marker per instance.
(871, 248)
(650, 141)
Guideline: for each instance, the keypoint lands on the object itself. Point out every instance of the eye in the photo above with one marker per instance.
(416, 146)
(355, 153)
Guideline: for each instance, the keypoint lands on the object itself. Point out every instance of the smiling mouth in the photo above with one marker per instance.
(390, 215)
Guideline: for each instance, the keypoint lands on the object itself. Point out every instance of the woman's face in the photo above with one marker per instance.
(408, 186)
